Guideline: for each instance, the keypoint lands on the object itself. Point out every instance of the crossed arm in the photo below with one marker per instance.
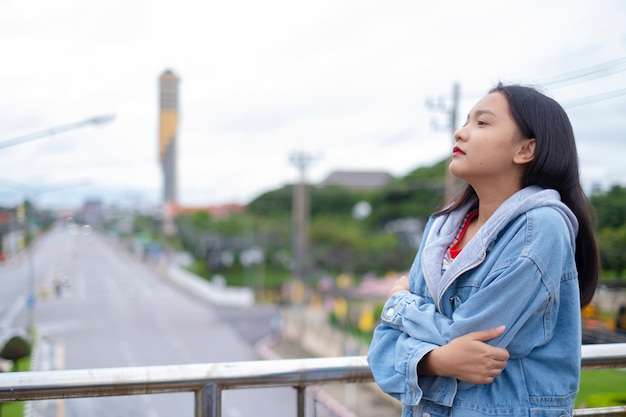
(467, 358)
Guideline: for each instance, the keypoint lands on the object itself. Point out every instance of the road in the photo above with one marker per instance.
(99, 306)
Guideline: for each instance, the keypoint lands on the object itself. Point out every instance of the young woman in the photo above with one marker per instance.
(488, 321)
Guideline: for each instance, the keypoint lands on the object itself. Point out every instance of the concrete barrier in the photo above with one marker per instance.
(309, 326)
(213, 293)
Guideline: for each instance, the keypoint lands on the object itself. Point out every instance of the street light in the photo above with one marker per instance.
(98, 120)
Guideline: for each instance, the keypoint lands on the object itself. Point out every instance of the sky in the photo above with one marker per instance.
(355, 85)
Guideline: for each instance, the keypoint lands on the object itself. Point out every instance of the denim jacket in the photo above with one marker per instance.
(518, 271)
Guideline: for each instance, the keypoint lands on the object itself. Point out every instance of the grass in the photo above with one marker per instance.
(12, 409)
(601, 388)
(16, 409)
(255, 276)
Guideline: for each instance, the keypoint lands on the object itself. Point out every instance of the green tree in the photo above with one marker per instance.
(346, 245)
(415, 195)
(274, 203)
(323, 200)
(195, 228)
(612, 246)
(146, 224)
(610, 207)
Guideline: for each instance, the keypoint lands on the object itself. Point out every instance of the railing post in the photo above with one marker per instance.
(301, 400)
(208, 401)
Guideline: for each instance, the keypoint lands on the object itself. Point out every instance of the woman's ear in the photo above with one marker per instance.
(525, 152)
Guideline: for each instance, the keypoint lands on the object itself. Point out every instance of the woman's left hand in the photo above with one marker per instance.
(401, 284)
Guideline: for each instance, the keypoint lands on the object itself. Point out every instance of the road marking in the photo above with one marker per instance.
(60, 364)
(60, 356)
(13, 312)
(60, 408)
(233, 412)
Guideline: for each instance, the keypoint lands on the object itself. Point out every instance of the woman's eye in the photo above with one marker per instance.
(481, 123)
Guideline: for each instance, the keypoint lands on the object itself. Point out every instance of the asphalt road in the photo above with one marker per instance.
(98, 307)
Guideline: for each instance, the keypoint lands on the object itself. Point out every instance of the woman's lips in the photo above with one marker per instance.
(457, 151)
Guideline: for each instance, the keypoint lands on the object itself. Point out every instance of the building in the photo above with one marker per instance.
(92, 213)
(218, 211)
(358, 180)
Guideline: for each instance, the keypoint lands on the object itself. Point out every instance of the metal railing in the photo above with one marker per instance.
(207, 381)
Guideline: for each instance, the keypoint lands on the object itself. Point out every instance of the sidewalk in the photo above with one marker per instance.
(335, 400)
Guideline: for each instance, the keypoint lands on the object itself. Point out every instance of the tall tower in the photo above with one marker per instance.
(168, 122)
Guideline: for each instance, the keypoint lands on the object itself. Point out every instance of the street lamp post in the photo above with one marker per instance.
(98, 120)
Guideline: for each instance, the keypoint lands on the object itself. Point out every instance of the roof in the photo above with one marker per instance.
(222, 210)
(363, 180)
(375, 288)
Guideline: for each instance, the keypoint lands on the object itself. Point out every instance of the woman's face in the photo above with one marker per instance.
(489, 146)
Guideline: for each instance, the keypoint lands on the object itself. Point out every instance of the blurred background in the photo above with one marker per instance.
(279, 153)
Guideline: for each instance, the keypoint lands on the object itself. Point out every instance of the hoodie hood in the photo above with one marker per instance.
(445, 227)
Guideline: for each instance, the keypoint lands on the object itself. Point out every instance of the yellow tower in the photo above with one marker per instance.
(168, 123)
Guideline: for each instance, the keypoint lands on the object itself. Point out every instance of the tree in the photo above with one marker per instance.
(346, 245)
(612, 246)
(415, 195)
(610, 207)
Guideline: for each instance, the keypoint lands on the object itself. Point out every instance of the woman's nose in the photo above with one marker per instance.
(460, 134)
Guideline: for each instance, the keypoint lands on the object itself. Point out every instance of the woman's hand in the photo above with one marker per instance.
(467, 358)
(401, 284)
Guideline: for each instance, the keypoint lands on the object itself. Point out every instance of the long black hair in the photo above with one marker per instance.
(555, 166)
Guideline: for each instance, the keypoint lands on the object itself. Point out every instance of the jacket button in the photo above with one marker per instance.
(389, 312)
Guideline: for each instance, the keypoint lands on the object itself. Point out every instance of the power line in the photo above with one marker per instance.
(589, 73)
(578, 76)
(594, 99)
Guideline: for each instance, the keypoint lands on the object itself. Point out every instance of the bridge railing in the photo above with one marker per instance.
(207, 381)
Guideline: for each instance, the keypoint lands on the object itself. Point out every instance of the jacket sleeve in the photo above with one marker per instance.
(393, 357)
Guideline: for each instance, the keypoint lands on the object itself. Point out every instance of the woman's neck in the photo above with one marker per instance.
(489, 200)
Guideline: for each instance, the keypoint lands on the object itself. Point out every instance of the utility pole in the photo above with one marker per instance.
(300, 217)
(452, 183)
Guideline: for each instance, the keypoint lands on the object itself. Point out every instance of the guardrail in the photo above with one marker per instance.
(208, 380)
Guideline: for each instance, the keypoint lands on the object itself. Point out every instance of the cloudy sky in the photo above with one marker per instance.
(347, 82)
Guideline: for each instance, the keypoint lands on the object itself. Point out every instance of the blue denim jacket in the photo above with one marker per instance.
(518, 271)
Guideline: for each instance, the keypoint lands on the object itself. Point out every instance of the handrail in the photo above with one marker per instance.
(21, 386)
(609, 355)
(209, 379)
